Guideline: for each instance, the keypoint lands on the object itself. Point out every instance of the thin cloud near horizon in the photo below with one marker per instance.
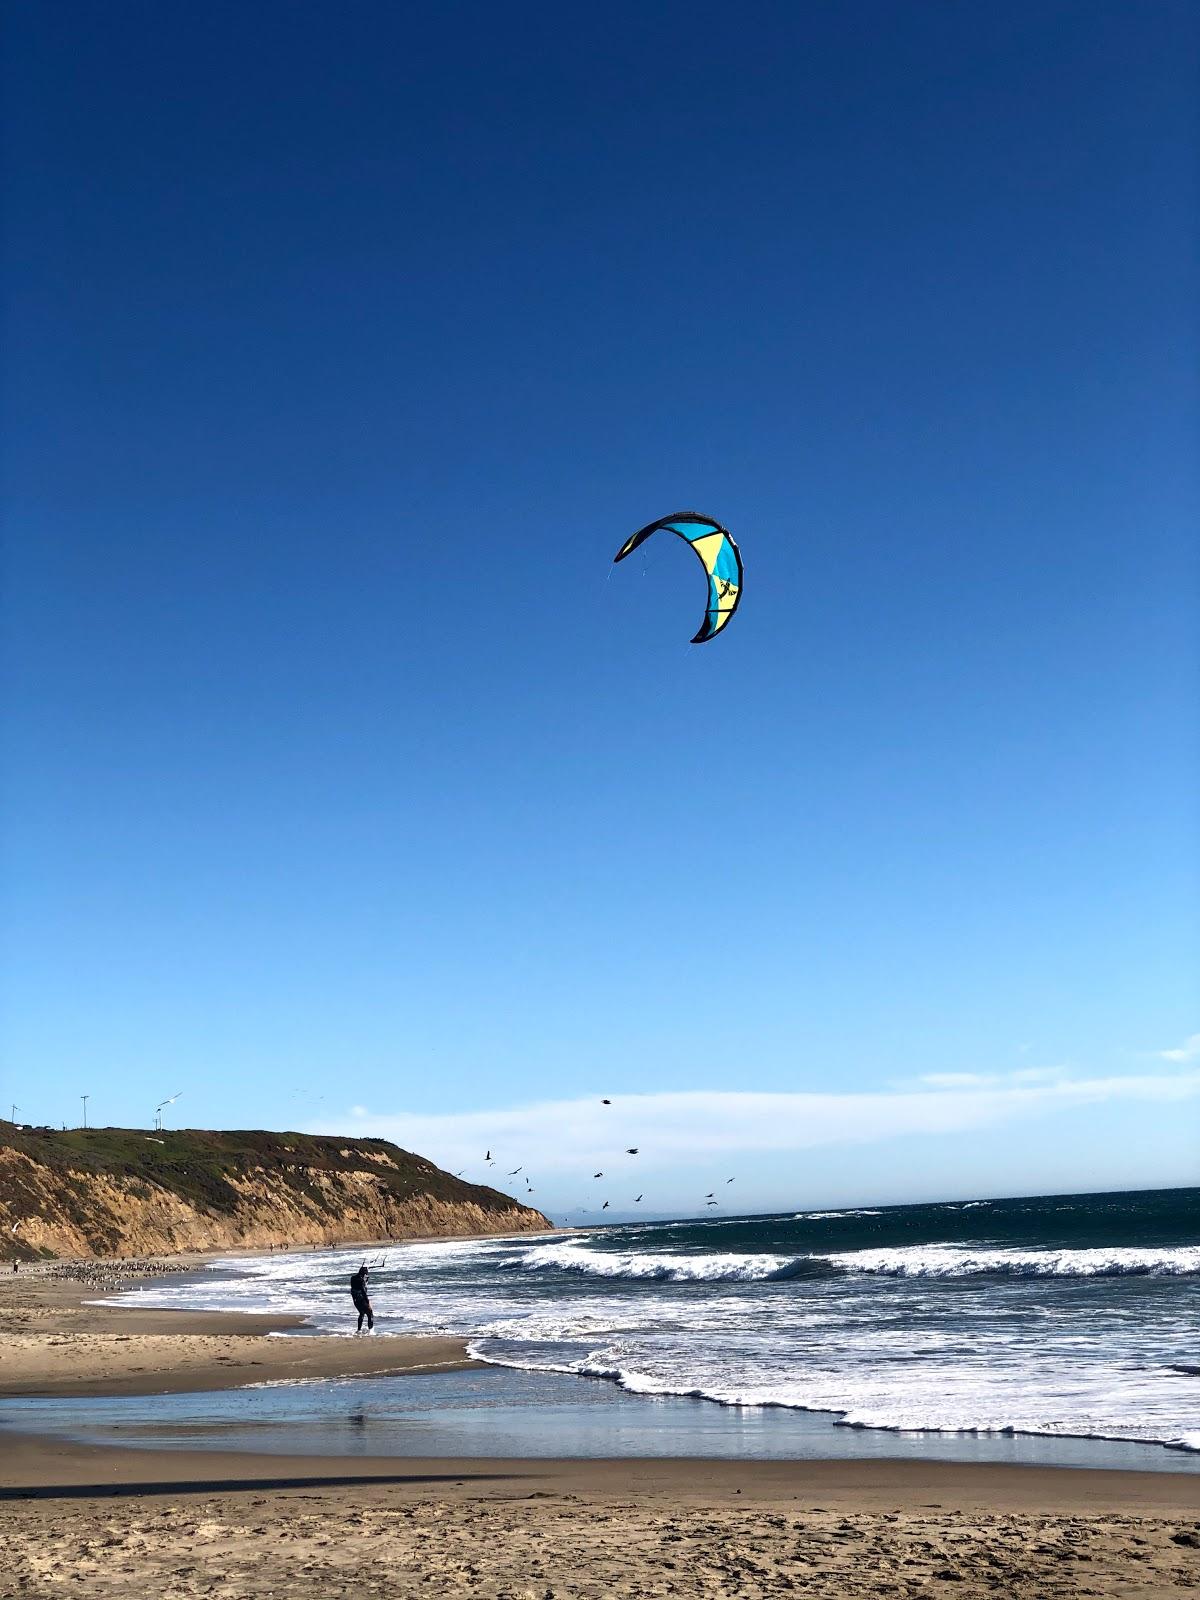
(1189, 1050)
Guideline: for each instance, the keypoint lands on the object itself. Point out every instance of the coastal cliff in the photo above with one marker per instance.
(127, 1192)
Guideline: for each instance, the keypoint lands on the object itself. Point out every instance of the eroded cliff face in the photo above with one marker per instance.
(72, 1209)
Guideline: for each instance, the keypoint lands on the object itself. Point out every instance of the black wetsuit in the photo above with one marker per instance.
(362, 1304)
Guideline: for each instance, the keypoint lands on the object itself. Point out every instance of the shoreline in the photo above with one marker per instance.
(36, 1468)
(63, 1336)
(96, 1348)
(108, 1520)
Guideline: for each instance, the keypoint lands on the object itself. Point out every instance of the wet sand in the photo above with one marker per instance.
(98, 1521)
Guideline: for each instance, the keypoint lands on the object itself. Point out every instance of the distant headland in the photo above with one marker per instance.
(133, 1192)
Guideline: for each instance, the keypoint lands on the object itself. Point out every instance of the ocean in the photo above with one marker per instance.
(1069, 1316)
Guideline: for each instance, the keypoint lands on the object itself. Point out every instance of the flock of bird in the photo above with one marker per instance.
(489, 1160)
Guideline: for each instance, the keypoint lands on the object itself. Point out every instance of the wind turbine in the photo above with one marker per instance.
(158, 1110)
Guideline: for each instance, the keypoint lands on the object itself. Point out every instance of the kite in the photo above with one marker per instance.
(718, 555)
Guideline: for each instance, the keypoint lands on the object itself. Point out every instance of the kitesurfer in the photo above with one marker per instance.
(362, 1303)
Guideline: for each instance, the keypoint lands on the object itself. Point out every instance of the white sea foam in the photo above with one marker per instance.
(978, 1336)
(820, 1216)
(969, 1261)
(962, 1398)
(660, 1267)
(906, 1261)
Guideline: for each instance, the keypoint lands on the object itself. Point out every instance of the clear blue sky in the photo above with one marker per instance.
(346, 344)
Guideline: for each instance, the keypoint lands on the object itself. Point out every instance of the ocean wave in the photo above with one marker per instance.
(905, 1261)
(633, 1266)
(966, 1261)
(1005, 1350)
(820, 1216)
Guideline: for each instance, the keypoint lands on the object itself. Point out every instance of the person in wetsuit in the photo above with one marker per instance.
(362, 1303)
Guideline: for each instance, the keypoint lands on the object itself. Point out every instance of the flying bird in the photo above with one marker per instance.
(604, 1207)
(632, 1151)
(597, 1174)
(730, 1180)
(712, 1202)
(606, 1102)
(514, 1172)
(709, 1195)
(636, 1199)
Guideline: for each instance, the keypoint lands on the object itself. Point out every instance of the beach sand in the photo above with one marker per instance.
(104, 1522)
(99, 1521)
(54, 1342)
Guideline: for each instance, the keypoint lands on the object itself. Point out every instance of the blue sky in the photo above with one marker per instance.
(345, 347)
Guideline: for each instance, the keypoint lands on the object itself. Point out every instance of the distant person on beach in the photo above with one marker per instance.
(362, 1303)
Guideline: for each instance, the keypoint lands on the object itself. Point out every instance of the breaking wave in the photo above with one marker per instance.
(636, 1265)
(1020, 1322)
(909, 1261)
(821, 1216)
(967, 1261)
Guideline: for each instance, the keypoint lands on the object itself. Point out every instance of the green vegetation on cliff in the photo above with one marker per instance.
(105, 1190)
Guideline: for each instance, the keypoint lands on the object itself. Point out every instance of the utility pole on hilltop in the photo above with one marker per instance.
(85, 1098)
(15, 1109)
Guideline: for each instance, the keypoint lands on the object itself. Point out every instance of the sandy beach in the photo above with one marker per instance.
(105, 1521)
(55, 1341)
(108, 1522)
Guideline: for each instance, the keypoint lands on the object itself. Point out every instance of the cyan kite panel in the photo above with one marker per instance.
(719, 556)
